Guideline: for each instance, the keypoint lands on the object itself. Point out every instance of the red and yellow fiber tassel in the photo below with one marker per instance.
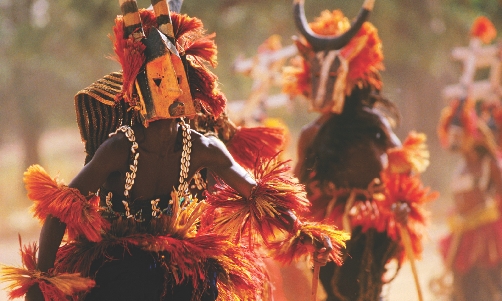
(412, 156)
(293, 248)
(409, 189)
(239, 277)
(67, 204)
(54, 286)
(190, 251)
(267, 209)
(247, 143)
(130, 54)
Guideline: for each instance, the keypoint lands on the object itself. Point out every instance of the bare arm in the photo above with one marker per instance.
(303, 142)
(217, 158)
(307, 135)
(107, 159)
(225, 167)
(222, 163)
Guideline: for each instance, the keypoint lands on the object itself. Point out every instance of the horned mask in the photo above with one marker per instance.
(161, 84)
(335, 54)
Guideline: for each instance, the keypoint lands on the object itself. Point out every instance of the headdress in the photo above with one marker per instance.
(461, 114)
(114, 99)
(471, 110)
(359, 46)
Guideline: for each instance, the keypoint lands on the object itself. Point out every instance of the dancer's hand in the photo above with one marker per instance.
(401, 212)
(322, 250)
(320, 247)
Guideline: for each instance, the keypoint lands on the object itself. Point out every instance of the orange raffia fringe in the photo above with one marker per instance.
(130, 54)
(67, 204)
(248, 143)
(201, 51)
(410, 190)
(363, 52)
(467, 117)
(266, 211)
(239, 278)
(412, 156)
(483, 29)
(54, 286)
(293, 248)
(399, 188)
(296, 77)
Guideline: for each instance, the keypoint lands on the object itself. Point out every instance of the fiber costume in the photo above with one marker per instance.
(472, 252)
(340, 154)
(469, 125)
(131, 236)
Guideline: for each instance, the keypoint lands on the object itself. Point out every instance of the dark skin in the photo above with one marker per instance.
(359, 180)
(380, 138)
(365, 137)
(158, 172)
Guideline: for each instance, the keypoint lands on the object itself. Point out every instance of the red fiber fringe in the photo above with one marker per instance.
(130, 55)
(248, 143)
(204, 87)
(201, 51)
(399, 188)
(54, 286)
(239, 276)
(67, 204)
(265, 212)
(183, 24)
(412, 156)
(467, 116)
(203, 48)
(292, 249)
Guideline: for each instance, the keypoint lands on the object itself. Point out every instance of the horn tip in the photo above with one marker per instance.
(369, 4)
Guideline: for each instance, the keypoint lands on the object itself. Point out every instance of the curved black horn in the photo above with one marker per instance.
(319, 42)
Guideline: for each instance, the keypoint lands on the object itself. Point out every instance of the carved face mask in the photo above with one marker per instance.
(162, 84)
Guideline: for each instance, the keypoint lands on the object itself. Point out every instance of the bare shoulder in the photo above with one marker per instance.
(205, 143)
(209, 150)
(312, 127)
(111, 156)
(307, 133)
(114, 151)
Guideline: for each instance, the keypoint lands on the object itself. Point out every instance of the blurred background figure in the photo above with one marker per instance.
(265, 69)
(472, 252)
(344, 156)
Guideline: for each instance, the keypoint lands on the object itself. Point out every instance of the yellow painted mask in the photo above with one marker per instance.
(162, 85)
